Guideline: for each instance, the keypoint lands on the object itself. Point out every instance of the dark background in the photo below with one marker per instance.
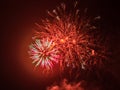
(17, 20)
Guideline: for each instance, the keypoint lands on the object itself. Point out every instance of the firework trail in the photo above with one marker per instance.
(70, 34)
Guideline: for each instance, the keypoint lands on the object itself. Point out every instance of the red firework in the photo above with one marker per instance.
(71, 36)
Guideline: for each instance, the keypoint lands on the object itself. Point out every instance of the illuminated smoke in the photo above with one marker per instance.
(82, 85)
(66, 86)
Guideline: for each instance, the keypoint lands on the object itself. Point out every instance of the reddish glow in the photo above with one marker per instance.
(66, 38)
(74, 42)
(93, 52)
(62, 41)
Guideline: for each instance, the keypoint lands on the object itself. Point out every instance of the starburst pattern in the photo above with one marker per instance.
(43, 53)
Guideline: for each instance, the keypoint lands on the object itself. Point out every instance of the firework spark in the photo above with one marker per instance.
(72, 35)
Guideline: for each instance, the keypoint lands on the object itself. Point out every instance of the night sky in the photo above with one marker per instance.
(17, 22)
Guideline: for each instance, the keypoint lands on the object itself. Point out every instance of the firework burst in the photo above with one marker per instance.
(43, 53)
(72, 35)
